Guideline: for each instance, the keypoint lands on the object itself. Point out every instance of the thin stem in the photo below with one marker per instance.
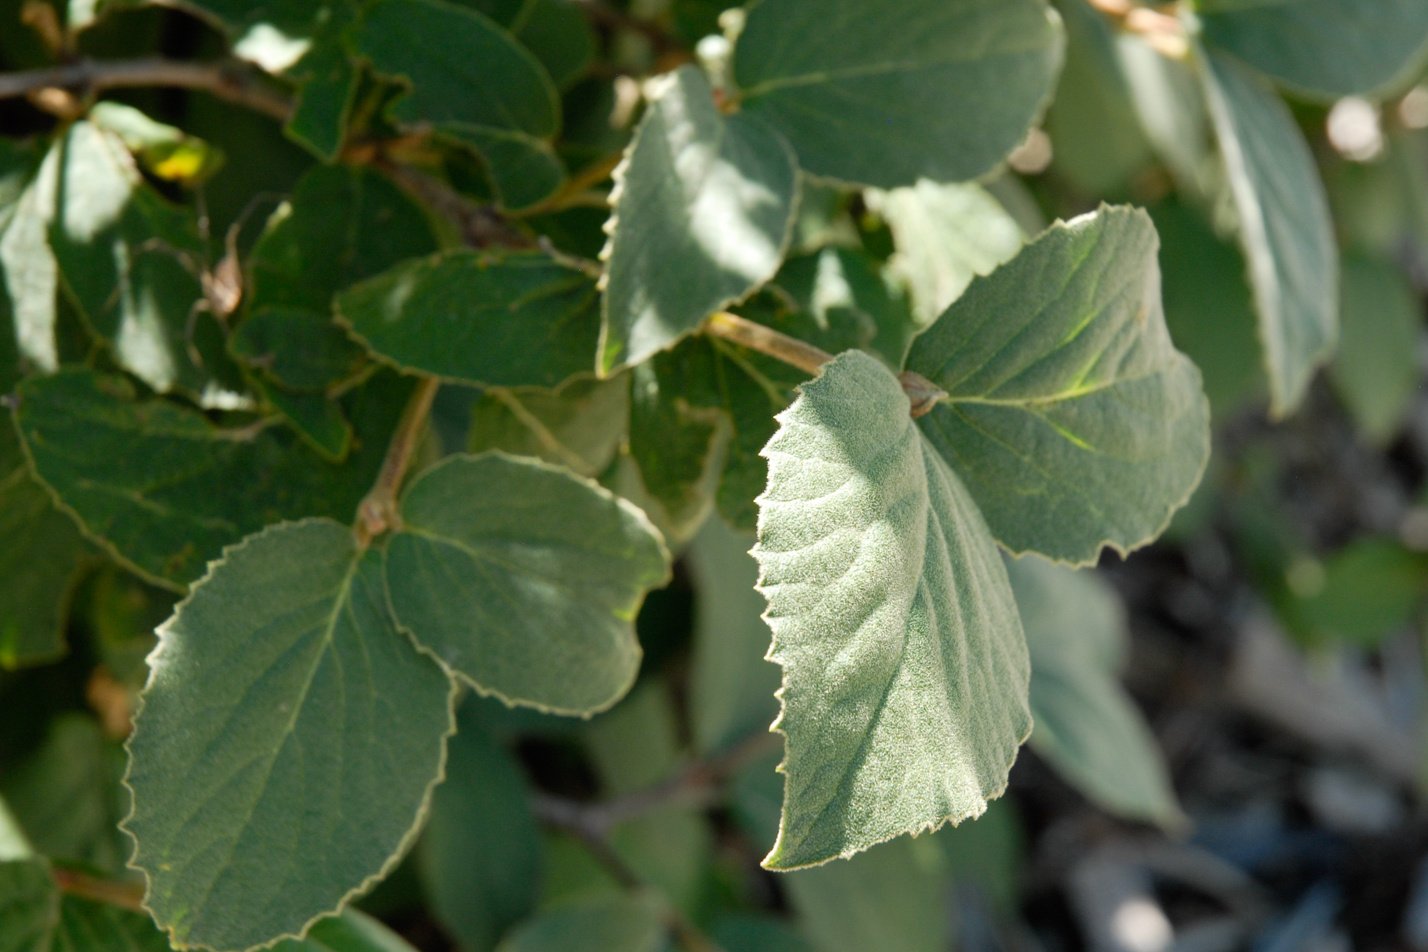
(378, 510)
(86, 77)
(125, 895)
(480, 226)
(576, 189)
(766, 340)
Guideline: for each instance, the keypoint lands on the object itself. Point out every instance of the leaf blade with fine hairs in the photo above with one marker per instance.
(701, 216)
(905, 668)
(525, 580)
(1070, 416)
(285, 718)
(883, 94)
(1284, 226)
(1322, 48)
(515, 320)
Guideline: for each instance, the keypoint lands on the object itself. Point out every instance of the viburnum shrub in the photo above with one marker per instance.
(412, 409)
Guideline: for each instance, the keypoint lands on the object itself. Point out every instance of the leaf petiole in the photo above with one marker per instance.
(377, 512)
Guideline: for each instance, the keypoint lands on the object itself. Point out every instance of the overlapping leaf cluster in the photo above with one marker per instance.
(449, 228)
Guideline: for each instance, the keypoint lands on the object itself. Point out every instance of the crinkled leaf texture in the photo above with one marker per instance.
(905, 668)
(1324, 48)
(702, 215)
(288, 742)
(885, 93)
(525, 580)
(1284, 226)
(1070, 415)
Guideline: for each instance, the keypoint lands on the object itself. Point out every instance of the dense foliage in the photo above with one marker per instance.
(429, 414)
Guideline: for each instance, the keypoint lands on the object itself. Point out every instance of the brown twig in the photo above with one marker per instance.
(378, 510)
(85, 78)
(922, 394)
(480, 225)
(125, 895)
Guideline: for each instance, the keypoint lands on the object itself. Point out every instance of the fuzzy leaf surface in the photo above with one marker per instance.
(904, 664)
(525, 580)
(579, 425)
(1071, 417)
(286, 718)
(884, 94)
(1325, 48)
(1284, 226)
(701, 218)
(515, 320)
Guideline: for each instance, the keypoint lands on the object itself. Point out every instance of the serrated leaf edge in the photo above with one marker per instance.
(403, 846)
(628, 507)
(656, 88)
(931, 826)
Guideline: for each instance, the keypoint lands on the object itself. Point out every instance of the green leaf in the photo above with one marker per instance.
(473, 84)
(1376, 368)
(314, 417)
(1070, 415)
(1208, 307)
(66, 794)
(480, 857)
(703, 209)
(341, 224)
(29, 277)
(298, 349)
(1365, 592)
(29, 905)
(557, 32)
(163, 489)
(1284, 227)
(749, 933)
(846, 296)
(288, 742)
(328, 76)
(1086, 725)
(678, 450)
(508, 320)
(905, 670)
(525, 580)
(273, 34)
(884, 95)
(85, 926)
(352, 931)
(946, 235)
(1096, 137)
(1322, 48)
(732, 684)
(579, 425)
(892, 897)
(620, 923)
(125, 256)
(40, 553)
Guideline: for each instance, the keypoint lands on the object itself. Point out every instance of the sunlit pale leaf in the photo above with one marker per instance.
(905, 668)
(701, 218)
(1070, 416)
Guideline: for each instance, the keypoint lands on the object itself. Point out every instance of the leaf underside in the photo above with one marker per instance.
(905, 668)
